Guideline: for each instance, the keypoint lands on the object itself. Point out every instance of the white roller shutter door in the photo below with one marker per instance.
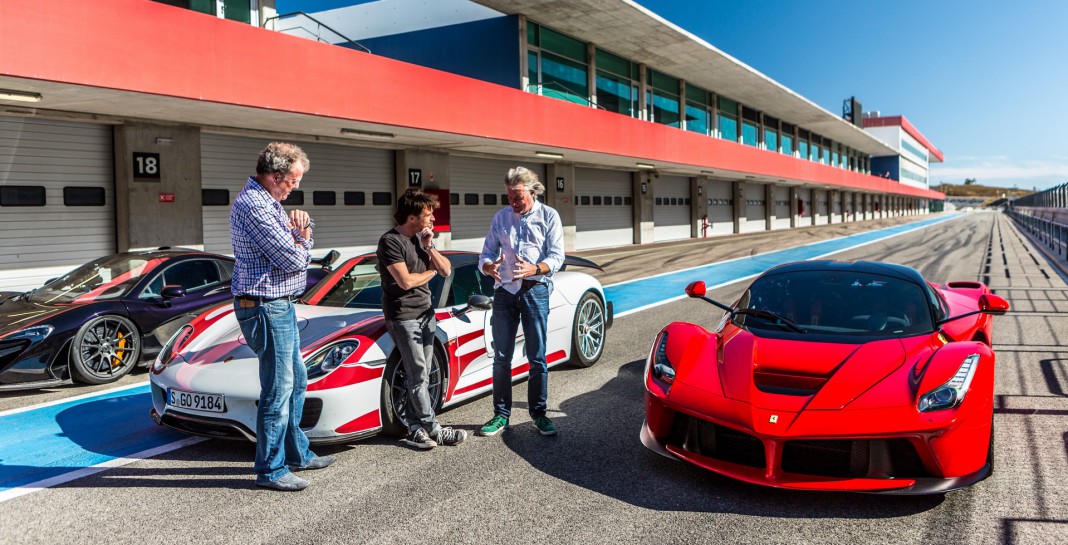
(719, 196)
(479, 186)
(42, 242)
(821, 206)
(782, 208)
(754, 208)
(671, 208)
(228, 161)
(598, 224)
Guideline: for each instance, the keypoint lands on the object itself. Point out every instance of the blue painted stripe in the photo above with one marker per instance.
(49, 441)
(57, 439)
(649, 291)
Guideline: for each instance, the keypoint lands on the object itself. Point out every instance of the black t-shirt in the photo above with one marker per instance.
(399, 303)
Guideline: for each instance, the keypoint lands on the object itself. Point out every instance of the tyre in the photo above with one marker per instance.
(104, 350)
(587, 335)
(395, 394)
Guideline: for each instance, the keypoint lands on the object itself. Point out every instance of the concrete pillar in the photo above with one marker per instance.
(428, 170)
(643, 206)
(699, 208)
(557, 176)
(814, 205)
(165, 210)
(832, 196)
(738, 190)
(769, 207)
(795, 214)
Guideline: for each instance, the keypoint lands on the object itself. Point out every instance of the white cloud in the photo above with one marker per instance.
(1002, 172)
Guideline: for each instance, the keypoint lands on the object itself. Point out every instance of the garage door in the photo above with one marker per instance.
(782, 208)
(604, 208)
(754, 208)
(56, 196)
(720, 200)
(348, 192)
(671, 208)
(820, 195)
(835, 198)
(477, 188)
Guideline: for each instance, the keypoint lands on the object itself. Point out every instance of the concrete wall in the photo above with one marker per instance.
(643, 207)
(563, 200)
(142, 220)
(434, 175)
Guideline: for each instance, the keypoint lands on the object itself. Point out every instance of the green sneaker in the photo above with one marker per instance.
(494, 426)
(544, 425)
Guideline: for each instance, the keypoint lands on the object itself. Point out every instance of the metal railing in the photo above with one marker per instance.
(1047, 231)
(1054, 197)
(301, 24)
(562, 92)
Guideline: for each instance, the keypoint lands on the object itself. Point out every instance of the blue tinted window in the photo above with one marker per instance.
(728, 127)
(749, 133)
(787, 145)
(802, 149)
(617, 95)
(771, 139)
(665, 108)
(696, 118)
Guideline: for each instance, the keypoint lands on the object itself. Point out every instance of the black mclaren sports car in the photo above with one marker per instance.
(96, 323)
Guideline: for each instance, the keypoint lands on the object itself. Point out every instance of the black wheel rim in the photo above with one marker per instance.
(399, 389)
(108, 347)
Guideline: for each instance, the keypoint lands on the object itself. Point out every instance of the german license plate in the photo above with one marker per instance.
(196, 401)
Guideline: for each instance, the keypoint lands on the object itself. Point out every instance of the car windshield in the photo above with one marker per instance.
(109, 277)
(835, 303)
(357, 284)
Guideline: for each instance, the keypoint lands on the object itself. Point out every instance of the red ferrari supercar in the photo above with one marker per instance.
(831, 375)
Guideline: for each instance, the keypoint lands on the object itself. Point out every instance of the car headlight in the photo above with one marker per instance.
(662, 369)
(330, 358)
(950, 394)
(166, 355)
(34, 334)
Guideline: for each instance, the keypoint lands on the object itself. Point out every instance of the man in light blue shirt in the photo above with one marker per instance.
(523, 249)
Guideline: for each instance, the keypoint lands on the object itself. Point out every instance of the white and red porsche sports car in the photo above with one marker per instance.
(206, 379)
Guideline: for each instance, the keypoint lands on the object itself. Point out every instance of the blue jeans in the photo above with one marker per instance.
(271, 331)
(415, 341)
(531, 306)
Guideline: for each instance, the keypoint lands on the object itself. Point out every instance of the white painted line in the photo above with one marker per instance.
(30, 488)
(69, 399)
(790, 248)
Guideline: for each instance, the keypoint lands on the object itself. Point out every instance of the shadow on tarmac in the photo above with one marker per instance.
(598, 449)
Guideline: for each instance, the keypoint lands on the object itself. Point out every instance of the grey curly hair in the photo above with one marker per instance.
(280, 157)
(520, 176)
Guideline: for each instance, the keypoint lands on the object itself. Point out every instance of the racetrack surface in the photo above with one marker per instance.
(595, 482)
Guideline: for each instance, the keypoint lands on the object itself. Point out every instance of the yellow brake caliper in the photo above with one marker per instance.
(117, 360)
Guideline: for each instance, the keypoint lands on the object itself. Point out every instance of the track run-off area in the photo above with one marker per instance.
(88, 464)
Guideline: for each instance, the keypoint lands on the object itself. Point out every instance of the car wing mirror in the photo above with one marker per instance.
(993, 304)
(696, 289)
(476, 302)
(172, 291)
(327, 260)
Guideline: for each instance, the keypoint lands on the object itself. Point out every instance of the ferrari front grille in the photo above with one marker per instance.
(717, 442)
(853, 458)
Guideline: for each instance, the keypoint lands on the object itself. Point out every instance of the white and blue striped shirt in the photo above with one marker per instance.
(537, 236)
(269, 263)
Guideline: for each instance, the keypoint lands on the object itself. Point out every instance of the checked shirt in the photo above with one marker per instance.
(269, 263)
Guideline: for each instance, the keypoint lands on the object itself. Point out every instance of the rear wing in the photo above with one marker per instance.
(572, 261)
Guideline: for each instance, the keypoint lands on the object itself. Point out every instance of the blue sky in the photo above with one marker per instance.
(983, 80)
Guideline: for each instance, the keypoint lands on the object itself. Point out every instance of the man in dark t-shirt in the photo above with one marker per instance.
(407, 261)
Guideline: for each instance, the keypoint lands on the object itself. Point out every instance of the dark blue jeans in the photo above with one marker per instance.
(531, 307)
(271, 331)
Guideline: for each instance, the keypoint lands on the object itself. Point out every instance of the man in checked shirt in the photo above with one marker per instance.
(273, 252)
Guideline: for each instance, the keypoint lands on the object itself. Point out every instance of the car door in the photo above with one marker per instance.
(206, 282)
(473, 328)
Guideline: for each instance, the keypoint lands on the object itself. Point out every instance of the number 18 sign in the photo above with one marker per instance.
(146, 167)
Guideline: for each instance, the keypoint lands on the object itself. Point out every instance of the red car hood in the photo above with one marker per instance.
(791, 375)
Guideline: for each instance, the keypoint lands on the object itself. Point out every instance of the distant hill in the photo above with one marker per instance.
(976, 190)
